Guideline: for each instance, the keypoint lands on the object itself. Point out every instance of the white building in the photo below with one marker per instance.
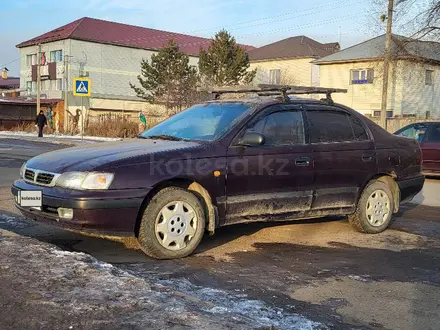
(108, 53)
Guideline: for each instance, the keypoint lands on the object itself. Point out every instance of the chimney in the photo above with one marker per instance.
(5, 73)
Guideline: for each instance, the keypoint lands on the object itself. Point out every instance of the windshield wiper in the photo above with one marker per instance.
(163, 137)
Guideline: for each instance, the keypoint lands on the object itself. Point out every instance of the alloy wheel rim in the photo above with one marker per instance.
(176, 225)
(378, 208)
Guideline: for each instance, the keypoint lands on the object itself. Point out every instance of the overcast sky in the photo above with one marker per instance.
(254, 22)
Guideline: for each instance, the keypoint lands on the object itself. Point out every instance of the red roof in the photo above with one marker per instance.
(10, 83)
(105, 32)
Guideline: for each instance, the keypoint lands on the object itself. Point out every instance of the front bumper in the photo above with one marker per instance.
(110, 211)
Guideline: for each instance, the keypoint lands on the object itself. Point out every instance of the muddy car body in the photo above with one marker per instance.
(270, 159)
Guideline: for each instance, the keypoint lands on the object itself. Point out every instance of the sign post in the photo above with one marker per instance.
(82, 88)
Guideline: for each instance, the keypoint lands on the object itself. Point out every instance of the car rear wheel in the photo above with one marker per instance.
(374, 210)
(172, 224)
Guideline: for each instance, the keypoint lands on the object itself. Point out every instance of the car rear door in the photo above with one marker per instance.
(344, 157)
(272, 181)
(431, 150)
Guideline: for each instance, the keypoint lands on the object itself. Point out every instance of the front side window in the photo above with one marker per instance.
(329, 126)
(204, 122)
(281, 128)
(434, 134)
(415, 131)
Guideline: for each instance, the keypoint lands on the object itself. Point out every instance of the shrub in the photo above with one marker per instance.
(112, 126)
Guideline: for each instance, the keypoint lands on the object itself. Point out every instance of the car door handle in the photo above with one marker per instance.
(367, 157)
(302, 161)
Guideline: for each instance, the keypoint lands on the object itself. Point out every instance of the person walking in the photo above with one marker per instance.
(41, 121)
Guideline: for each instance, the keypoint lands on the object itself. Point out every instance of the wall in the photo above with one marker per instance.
(364, 98)
(293, 71)
(26, 71)
(111, 68)
(419, 98)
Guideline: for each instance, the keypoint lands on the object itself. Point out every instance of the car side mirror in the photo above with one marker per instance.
(251, 139)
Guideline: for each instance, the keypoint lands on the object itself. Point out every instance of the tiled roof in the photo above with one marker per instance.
(10, 83)
(294, 47)
(375, 48)
(100, 31)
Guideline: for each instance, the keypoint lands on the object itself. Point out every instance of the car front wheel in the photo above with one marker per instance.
(374, 210)
(172, 224)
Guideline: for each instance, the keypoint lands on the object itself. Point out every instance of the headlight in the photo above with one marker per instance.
(22, 170)
(88, 181)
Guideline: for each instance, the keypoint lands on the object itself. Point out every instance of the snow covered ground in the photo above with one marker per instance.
(10, 134)
(45, 287)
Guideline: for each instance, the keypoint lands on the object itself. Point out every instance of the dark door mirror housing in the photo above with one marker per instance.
(251, 139)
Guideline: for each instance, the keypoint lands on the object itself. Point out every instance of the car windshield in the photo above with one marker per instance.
(416, 131)
(204, 122)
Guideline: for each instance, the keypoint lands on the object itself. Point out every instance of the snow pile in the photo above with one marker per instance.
(256, 311)
(61, 289)
(10, 222)
(11, 134)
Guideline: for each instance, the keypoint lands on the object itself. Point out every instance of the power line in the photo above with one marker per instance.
(208, 41)
(331, 4)
(1, 66)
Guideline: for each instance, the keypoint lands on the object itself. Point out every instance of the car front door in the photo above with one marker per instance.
(272, 181)
(431, 150)
(344, 158)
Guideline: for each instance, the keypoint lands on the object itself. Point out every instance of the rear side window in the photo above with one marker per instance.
(281, 128)
(434, 134)
(334, 126)
(359, 132)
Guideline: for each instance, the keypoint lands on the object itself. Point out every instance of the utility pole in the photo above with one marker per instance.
(38, 78)
(66, 90)
(386, 65)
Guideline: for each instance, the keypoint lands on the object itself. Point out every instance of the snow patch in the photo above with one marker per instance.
(359, 278)
(11, 134)
(255, 310)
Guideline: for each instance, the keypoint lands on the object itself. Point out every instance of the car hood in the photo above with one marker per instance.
(110, 154)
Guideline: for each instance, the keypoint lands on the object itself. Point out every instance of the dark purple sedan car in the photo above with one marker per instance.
(226, 162)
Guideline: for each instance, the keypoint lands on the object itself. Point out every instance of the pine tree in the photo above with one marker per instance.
(168, 78)
(225, 63)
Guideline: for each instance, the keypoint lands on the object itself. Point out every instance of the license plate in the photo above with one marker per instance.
(30, 198)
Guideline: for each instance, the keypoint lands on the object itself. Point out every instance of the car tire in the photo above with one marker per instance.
(172, 224)
(374, 209)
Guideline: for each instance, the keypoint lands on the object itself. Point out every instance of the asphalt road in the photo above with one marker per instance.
(321, 268)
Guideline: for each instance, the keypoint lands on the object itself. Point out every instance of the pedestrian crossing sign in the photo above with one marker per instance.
(81, 86)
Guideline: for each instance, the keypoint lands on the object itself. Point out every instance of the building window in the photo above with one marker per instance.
(362, 76)
(45, 85)
(34, 86)
(29, 59)
(59, 84)
(429, 77)
(56, 56)
(376, 113)
(29, 86)
(274, 77)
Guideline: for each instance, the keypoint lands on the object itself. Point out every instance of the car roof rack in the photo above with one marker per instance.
(271, 90)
